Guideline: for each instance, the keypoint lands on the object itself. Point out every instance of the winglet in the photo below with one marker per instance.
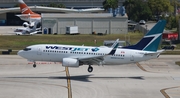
(114, 47)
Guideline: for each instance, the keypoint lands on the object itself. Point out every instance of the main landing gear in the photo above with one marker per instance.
(34, 65)
(90, 68)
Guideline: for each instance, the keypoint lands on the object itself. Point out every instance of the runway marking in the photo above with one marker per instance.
(45, 63)
(139, 65)
(165, 94)
(68, 83)
(142, 68)
(162, 90)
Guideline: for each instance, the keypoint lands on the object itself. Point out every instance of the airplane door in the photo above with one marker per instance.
(132, 58)
(39, 52)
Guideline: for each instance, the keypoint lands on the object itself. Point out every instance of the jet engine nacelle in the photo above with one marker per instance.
(25, 24)
(70, 62)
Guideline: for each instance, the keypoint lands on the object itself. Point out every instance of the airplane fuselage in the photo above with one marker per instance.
(56, 53)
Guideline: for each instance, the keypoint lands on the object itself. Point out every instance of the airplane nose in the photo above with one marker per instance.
(24, 54)
(20, 52)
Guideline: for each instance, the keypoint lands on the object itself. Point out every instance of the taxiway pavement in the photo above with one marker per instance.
(159, 79)
(8, 30)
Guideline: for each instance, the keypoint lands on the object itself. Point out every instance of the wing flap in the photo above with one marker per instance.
(94, 60)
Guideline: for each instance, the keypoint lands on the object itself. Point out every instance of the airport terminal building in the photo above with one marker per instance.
(102, 23)
(56, 21)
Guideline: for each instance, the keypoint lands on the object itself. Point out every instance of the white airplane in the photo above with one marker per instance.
(28, 30)
(33, 20)
(24, 31)
(75, 56)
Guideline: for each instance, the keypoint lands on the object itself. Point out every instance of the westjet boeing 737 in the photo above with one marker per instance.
(75, 56)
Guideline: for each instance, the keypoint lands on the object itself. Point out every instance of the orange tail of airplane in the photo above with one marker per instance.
(24, 8)
(27, 14)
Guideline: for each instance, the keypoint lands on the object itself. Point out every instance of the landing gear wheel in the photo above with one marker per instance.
(90, 68)
(34, 65)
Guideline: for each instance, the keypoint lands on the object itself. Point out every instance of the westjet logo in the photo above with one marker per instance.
(72, 48)
(56, 47)
(95, 49)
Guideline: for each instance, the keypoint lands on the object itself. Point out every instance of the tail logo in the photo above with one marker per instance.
(24, 10)
(151, 40)
(154, 42)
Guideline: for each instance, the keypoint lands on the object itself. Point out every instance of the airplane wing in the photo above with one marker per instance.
(32, 33)
(52, 9)
(97, 59)
(92, 60)
(66, 10)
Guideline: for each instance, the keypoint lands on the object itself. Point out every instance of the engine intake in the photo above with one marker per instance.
(70, 62)
(25, 24)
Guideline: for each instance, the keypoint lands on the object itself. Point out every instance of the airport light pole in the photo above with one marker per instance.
(179, 31)
(146, 28)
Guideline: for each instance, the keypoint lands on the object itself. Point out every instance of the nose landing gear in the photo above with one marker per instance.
(34, 65)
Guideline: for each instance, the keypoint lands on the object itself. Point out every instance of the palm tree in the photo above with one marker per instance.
(110, 4)
(60, 5)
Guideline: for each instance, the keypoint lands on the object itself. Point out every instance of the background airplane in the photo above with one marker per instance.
(33, 24)
(75, 56)
(29, 30)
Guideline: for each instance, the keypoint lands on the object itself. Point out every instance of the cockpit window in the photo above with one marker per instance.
(27, 49)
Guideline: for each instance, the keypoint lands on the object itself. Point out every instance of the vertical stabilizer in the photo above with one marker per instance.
(24, 8)
(151, 41)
